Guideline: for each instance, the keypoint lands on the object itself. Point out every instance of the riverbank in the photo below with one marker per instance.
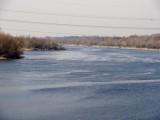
(2, 58)
(129, 48)
(28, 49)
(12, 47)
(144, 42)
(6, 58)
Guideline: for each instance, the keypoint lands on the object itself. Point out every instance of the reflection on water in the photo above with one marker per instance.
(81, 84)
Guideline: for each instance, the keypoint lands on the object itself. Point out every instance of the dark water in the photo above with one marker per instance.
(81, 84)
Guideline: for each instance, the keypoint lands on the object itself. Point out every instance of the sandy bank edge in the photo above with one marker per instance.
(2, 58)
(129, 48)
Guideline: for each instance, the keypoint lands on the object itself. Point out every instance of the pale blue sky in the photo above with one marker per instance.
(115, 8)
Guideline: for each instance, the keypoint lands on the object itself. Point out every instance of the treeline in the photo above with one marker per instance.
(13, 46)
(134, 41)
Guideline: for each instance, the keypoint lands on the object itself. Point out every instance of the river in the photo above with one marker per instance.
(81, 83)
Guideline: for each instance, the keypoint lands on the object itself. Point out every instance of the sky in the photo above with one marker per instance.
(80, 17)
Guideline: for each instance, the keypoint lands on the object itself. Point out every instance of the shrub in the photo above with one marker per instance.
(10, 47)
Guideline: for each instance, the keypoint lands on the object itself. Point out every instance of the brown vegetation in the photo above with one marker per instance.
(12, 47)
(149, 42)
(36, 43)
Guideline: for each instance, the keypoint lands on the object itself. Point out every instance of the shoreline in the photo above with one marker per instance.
(5, 58)
(73, 45)
(128, 48)
(27, 49)
(2, 58)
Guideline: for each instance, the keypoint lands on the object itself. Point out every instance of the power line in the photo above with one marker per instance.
(81, 16)
(24, 30)
(76, 25)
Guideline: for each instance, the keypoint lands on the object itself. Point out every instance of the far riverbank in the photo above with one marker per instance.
(129, 48)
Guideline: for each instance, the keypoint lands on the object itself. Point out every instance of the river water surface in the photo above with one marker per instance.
(81, 83)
